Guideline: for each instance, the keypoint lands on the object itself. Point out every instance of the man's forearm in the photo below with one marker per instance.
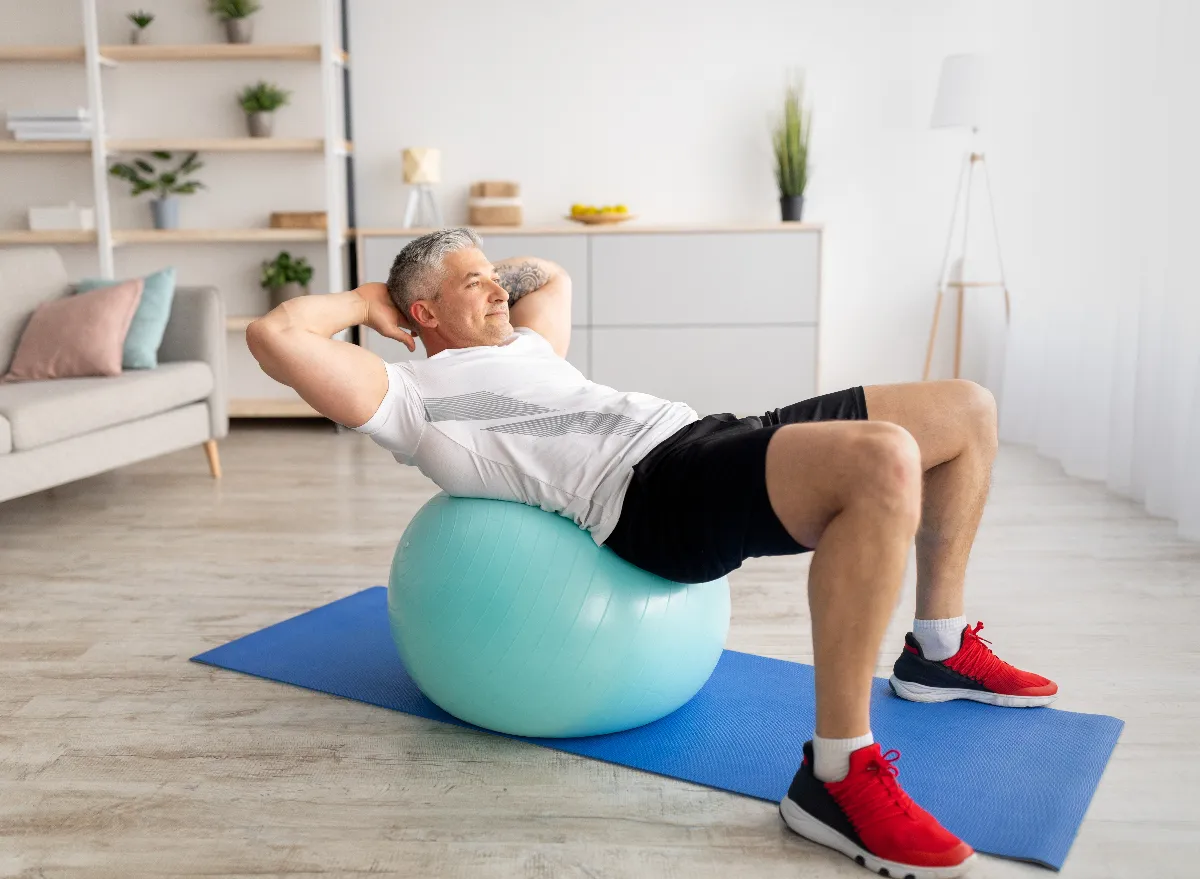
(323, 314)
(520, 276)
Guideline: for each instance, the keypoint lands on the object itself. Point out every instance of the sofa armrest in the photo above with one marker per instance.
(196, 331)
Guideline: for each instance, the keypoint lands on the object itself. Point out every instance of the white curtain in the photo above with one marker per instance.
(1096, 157)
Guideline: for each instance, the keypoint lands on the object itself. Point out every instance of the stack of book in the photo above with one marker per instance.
(73, 124)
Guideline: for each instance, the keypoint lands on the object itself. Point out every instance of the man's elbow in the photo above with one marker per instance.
(260, 340)
(255, 341)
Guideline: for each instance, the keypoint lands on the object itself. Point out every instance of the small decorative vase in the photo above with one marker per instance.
(291, 290)
(165, 212)
(239, 30)
(260, 124)
(792, 207)
(137, 36)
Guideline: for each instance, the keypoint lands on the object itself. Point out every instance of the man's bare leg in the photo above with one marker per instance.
(954, 424)
(852, 491)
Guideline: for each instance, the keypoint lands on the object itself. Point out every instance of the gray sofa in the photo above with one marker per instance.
(60, 430)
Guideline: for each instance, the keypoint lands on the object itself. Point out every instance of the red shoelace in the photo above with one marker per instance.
(975, 660)
(877, 797)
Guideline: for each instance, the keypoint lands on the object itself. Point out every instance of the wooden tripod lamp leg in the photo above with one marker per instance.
(937, 309)
(958, 335)
(214, 459)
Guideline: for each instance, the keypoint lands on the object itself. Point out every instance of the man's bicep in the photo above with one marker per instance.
(547, 311)
(344, 382)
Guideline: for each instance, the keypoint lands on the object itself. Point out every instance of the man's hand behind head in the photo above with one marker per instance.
(383, 316)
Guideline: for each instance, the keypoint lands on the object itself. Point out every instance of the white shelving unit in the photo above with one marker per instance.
(332, 148)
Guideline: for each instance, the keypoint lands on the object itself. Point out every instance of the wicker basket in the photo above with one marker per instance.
(495, 203)
(299, 220)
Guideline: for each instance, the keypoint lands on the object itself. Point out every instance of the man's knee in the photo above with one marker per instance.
(888, 468)
(978, 407)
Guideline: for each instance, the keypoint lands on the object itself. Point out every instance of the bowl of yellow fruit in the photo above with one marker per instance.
(586, 213)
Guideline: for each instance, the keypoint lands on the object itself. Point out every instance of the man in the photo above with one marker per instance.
(495, 411)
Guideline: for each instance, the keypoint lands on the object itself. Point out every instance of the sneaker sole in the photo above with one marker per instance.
(922, 693)
(812, 829)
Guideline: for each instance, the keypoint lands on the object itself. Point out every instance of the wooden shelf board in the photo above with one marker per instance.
(214, 52)
(218, 144)
(314, 145)
(182, 52)
(632, 227)
(238, 323)
(270, 407)
(213, 236)
(45, 146)
(41, 53)
(63, 236)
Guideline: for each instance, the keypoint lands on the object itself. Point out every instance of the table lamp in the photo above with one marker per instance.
(422, 169)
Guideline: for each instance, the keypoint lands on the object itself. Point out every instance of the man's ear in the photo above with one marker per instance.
(422, 315)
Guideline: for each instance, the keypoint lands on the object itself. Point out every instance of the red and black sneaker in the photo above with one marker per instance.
(974, 672)
(868, 817)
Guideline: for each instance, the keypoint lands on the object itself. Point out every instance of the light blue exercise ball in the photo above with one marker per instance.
(512, 619)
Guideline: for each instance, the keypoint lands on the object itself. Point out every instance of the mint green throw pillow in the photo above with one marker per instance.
(149, 321)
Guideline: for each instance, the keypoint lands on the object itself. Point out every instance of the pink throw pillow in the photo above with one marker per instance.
(77, 335)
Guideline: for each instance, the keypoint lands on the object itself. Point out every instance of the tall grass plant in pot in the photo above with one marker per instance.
(790, 142)
(167, 184)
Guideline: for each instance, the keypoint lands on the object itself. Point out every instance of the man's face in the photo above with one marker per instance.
(472, 308)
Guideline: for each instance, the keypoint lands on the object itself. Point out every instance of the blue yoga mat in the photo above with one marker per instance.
(1011, 782)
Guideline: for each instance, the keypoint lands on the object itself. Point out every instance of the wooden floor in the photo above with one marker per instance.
(118, 757)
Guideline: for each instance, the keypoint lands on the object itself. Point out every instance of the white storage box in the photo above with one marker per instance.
(55, 219)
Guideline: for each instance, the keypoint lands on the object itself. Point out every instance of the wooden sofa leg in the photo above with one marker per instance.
(214, 459)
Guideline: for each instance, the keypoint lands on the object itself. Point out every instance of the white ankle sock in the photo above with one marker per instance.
(831, 757)
(939, 639)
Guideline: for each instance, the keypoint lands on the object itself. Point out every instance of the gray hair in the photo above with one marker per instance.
(417, 272)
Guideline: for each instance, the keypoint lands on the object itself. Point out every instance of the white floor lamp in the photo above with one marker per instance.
(958, 106)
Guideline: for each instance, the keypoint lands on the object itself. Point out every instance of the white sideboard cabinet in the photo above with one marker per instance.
(724, 319)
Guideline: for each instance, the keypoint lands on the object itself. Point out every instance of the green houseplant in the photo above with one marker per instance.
(141, 20)
(167, 184)
(790, 142)
(260, 101)
(236, 14)
(286, 277)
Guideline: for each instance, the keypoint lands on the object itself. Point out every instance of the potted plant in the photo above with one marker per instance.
(790, 140)
(167, 184)
(260, 101)
(236, 15)
(286, 277)
(141, 20)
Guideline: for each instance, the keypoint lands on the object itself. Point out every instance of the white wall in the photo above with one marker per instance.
(666, 107)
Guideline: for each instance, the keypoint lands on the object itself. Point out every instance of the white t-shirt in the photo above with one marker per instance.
(517, 422)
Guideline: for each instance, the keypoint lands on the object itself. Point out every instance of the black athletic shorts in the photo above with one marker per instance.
(697, 505)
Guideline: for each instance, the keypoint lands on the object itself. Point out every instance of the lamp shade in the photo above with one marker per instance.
(422, 165)
(959, 94)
